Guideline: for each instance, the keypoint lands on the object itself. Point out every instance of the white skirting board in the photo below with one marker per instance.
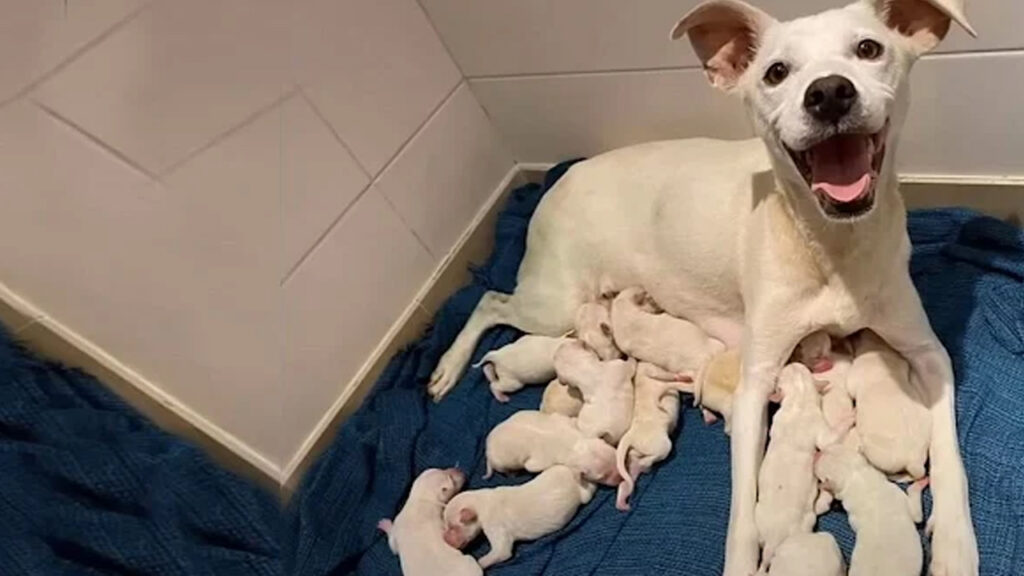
(998, 196)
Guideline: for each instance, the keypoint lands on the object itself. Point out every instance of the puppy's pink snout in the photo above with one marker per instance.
(821, 365)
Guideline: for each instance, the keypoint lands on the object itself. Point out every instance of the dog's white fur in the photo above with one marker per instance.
(607, 389)
(834, 364)
(880, 513)
(786, 485)
(560, 398)
(534, 441)
(510, 513)
(811, 554)
(730, 236)
(655, 415)
(675, 344)
(892, 421)
(417, 534)
(594, 328)
(715, 385)
(528, 360)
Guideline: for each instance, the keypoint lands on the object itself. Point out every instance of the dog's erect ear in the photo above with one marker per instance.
(467, 515)
(923, 22)
(725, 35)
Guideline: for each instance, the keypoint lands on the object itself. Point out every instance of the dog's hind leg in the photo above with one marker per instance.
(551, 314)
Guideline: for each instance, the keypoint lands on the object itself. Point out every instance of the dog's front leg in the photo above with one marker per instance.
(765, 349)
(906, 328)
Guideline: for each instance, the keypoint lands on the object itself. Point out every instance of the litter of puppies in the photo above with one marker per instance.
(849, 420)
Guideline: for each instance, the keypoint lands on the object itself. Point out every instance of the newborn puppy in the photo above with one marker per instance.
(534, 441)
(417, 534)
(594, 328)
(881, 515)
(510, 513)
(562, 399)
(787, 489)
(674, 344)
(655, 414)
(715, 385)
(529, 360)
(812, 554)
(607, 389)
(893, 423)
(831, 364)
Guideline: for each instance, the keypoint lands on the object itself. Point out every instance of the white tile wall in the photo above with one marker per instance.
(437, 192)
(190, 185)
(545, 118)
(541, 36)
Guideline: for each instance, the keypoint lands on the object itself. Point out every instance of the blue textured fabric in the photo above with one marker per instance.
(969, 270)
(89, 487)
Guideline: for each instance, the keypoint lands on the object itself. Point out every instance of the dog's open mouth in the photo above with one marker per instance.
(842, 171)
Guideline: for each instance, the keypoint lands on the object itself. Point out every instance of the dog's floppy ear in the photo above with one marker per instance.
(923, 22)
(467, 515)
(725, 34)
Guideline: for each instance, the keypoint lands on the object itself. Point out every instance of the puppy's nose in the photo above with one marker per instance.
(830, 98)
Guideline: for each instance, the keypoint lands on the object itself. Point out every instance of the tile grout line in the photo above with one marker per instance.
(582, 73)
(376, 179)
(405, 223)
(970, 53)
(440, 38)
(246, 121)
(71, 125)
(117, 26)
(337, 136)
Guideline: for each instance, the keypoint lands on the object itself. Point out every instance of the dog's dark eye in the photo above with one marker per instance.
(776, 74)
(869, 50)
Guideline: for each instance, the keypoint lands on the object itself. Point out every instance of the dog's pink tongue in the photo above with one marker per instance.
(841, 167)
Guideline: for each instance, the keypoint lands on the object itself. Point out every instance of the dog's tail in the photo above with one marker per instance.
(628, 482)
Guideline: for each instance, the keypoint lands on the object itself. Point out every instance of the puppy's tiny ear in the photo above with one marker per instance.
(725, 34)
(923, 22)
(606, 329)
(467, 515)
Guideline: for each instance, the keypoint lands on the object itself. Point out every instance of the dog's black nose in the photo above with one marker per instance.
(830, 98)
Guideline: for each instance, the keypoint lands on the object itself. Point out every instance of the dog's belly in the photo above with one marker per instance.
(668, 216)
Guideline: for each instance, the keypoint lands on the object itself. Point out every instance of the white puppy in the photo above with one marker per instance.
(560, 398)
(417, 534)
(534, 441)
(510, 513)
(787, 489)
(893, 423)
(832, 365)
(607, 389)
(655, 414)
(645, 333)
(594, 327)
(528, 360)
(811, 554)
(715, 385)
(879, 512)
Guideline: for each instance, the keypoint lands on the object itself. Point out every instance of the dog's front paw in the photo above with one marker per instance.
(441, 382)
(741, 558)
(954, 548)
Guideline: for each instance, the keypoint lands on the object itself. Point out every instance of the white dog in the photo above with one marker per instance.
(811, 554)
(594, 327)
(510, 513)
(655, 414)
(607, 389)
(831, 364)
(560, 398)
(528, 360)
(880, 513)
(674, 344)
(786, 485)
(761, 242)
(892, 421)
(417, 534)
(534, 441)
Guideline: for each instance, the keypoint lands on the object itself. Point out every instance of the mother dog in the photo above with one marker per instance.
(764, 241)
